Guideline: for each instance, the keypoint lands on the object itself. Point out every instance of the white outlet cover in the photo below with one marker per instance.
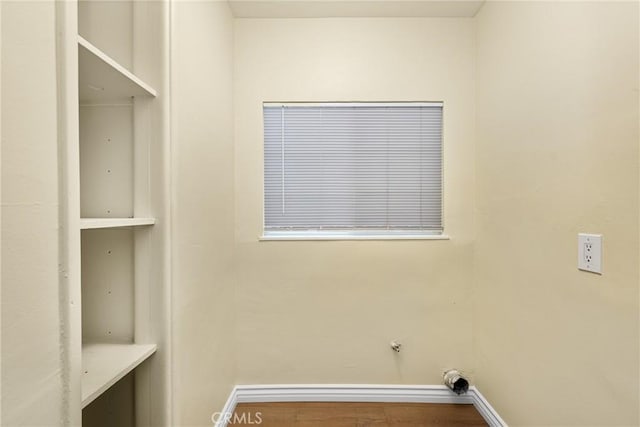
(590, 252)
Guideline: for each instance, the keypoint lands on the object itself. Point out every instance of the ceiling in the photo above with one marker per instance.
(353, 8)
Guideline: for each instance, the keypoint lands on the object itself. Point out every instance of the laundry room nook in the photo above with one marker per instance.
(320, 213)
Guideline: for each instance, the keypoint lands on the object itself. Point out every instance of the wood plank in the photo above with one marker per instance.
(338, 414)
(102, 79)
(93, 223)
(104, 364)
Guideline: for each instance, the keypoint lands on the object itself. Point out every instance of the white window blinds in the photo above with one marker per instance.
(363, 167)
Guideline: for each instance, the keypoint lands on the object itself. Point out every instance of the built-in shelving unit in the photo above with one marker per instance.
(105, 364)
(118, 170)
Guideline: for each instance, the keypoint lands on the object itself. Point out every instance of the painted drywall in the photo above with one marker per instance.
(202, 210)
(116, 36)
(557, 154)
(0, 215)
(325, 311)
(32, 388)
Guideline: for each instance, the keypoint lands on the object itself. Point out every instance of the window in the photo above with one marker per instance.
(352, 170)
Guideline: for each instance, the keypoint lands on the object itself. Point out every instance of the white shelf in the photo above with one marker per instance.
(92, 223)
(104, 364)
(103, 80)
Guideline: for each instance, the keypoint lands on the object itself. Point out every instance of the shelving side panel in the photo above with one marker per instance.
(108, 285)
(106, 161)
(151, 25)
(69, 198)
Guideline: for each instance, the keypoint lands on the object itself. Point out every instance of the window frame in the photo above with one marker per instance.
(356, 234)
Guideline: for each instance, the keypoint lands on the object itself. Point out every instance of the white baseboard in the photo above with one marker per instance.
(356, 393)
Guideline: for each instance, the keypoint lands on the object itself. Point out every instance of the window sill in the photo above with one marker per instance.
(308, 237)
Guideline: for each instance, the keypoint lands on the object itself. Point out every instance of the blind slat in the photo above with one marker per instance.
(354, 167)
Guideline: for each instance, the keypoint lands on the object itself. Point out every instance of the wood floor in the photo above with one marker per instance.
(338, 414)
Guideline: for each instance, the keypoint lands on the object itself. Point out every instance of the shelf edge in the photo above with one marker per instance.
(95, 223)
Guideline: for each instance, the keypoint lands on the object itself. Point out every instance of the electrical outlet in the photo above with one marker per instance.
(590, 252)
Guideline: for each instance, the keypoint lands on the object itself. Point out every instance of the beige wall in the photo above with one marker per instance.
(557, 154)
(552, 151)
(202, 208)
(325, 312)
(32, 389)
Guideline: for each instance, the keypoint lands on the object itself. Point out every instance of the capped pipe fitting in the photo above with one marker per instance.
(456, 382)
